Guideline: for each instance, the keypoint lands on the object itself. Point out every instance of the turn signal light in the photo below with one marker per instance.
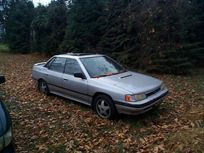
(128, 98)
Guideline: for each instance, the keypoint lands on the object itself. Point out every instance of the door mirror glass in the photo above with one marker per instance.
(79, 75)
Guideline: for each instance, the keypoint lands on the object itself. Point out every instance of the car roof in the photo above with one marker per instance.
(78, 55)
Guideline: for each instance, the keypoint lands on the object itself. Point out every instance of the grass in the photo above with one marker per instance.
(191, 139)
(60, 148)
(198, 81)
(121, 147)
(4, 48)
(187, 141)
(177, 125)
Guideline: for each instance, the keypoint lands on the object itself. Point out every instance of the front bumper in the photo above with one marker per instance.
(140, 107)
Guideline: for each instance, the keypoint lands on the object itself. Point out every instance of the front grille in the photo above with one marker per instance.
(153, 92)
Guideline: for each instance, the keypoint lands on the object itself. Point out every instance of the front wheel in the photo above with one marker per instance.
(43, 87)
(104, 107)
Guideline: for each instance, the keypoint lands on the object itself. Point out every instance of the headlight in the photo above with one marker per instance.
(8, 137)
(137, 97)
(163, 86)
(140, 97)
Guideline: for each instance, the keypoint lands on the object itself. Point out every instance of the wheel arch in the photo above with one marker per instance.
(47, 87)
(38, 81)
(97, 94)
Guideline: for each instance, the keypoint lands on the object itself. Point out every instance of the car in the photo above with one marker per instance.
(6, 143)
(100, 82)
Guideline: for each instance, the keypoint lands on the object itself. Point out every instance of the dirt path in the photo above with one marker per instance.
(53, 124)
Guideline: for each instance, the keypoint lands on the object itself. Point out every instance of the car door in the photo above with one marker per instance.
(54, 73)
(75, 87)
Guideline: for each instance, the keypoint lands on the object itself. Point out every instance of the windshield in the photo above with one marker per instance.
(100, 66)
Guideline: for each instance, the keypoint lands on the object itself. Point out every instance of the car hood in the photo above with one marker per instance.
(40, 64)
(132, 82)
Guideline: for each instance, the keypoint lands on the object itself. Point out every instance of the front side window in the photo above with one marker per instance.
(101, 66)
(72, 66)
(57, 64)
(47, 65)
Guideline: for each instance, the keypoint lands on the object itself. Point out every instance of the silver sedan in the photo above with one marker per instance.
(100, 82)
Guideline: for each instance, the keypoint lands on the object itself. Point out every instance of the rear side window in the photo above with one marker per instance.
(72, 66)
(57, 64)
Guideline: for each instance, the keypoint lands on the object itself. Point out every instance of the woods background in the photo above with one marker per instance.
(160, 35)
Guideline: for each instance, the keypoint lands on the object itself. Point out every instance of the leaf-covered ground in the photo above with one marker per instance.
(53, 124)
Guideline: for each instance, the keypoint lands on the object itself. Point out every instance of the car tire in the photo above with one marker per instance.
(43, 87)
(104, 107)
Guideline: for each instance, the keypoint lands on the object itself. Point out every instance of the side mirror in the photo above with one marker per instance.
(2, 79)
(79, 75)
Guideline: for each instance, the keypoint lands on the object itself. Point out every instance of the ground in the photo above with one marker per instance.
(53, 124)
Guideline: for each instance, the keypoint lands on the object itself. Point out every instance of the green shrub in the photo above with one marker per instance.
(4, 48)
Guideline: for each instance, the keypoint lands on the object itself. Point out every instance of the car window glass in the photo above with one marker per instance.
(47, 65)
(72, 66)
(101, 66)
(58, 64)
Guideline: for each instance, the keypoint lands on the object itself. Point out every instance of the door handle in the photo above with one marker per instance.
(65, 79)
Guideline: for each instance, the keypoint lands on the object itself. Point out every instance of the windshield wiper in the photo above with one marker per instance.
(104, 75)
(99, 76)
(122, 71)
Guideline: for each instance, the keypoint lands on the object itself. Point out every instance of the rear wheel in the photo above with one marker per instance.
(104, 107)
(43, 87)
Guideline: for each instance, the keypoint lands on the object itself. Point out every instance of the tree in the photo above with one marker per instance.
(121, 31)
(82, 31)
(39, 30)
(160, 35)
(20, 16)
(48, 27)
(4, 7)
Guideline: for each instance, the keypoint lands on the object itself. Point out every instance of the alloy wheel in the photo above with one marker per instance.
(43, 87)
(103, 108)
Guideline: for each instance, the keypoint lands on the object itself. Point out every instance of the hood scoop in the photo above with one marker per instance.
(125, 76)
